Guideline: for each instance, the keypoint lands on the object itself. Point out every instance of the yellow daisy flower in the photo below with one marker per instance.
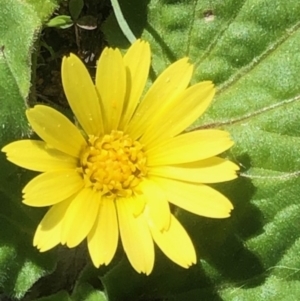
(115, 173)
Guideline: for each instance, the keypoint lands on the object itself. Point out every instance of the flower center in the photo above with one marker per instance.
(113, 164)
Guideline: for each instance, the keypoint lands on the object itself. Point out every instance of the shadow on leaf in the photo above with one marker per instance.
(221, 243)
(135, 14)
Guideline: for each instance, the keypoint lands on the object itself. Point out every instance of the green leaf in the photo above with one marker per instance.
(250, 49)
(21, 265)
(61, 21)
(273, 289)
(75, 8)
(86, 292)
(134, 13)
(87, 22)
(60, 296)
(19, 24)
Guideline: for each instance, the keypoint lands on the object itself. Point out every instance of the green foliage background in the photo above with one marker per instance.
(250, 49)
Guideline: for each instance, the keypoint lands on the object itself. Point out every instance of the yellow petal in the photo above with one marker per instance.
(80, 217)
(103, 238)
(136, 238)
(196, 198)
(137, 63)
(189, 147)
(35, 155)
(111, 86)
(212, 170)
(56, 130)
(48, 232)
(52, 187)
(180, 114)
(175, 243)
(139, 204)
(157, 208)
(168, 86)
(81, 94)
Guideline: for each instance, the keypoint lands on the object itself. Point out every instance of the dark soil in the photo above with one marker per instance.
(54, 43)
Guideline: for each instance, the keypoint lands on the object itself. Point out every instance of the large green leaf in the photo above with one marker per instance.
(20, 264)
(20, 22)
(250, 49)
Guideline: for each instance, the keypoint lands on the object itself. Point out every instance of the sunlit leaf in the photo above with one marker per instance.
(20, 264)
(61, 21)
(250, 49)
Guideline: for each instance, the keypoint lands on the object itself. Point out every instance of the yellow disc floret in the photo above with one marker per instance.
(113, 164)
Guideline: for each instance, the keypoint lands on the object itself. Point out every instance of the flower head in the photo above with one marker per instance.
(115, 173)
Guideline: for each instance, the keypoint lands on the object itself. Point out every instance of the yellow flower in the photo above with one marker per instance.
(115, 173)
